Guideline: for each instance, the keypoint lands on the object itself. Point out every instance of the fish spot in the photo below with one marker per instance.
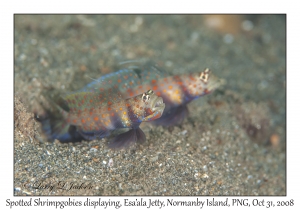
(192, 78)
(155, 87)
(96, 118)
(83, 120)
(74, 121)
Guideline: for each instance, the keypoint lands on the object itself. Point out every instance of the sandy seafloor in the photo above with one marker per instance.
(232, 143)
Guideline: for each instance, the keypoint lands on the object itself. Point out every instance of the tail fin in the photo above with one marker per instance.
(53, 121)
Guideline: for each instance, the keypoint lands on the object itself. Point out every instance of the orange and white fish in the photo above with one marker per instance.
(90, 115)
(177, 90)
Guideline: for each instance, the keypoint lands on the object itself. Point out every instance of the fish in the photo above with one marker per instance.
(176, 90)
(90, 115)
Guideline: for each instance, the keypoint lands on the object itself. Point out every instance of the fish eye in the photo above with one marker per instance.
(204, 75)
(145, 97)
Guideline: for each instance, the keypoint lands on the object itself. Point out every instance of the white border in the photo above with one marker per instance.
(6, 38)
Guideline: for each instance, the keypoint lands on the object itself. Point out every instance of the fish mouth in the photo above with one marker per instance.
(157, 107)
(158, 104)
(215, 83)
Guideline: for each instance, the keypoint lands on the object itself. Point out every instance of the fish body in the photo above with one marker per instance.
(177, 90)
(95, 115)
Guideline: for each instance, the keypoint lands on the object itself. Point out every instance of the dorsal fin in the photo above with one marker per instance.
(111, 87)
(129, 77)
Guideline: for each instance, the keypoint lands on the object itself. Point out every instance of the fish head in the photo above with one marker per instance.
(204, 83)
(148, 106)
